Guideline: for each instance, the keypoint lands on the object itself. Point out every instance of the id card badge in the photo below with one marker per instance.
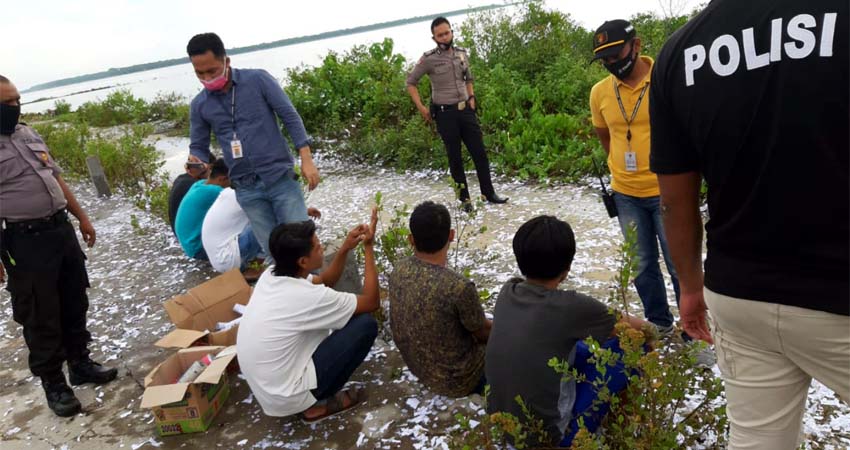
(631, 162)
(236, 148)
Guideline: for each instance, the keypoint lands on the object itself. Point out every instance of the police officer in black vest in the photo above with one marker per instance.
(44, 261)
(453, 108)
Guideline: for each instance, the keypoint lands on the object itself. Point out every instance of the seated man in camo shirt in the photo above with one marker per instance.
(435, 315)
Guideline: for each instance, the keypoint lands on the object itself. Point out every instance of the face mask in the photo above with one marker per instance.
(623, 67)
(218, 83)
(9, 115)
(445, 46)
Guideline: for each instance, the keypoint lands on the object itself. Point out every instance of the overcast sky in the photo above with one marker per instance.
(48, 40)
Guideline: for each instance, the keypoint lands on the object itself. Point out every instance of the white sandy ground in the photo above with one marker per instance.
(133, 272)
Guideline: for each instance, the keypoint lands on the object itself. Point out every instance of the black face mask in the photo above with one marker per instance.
(9, 115)
(623, 67)
(446, 46)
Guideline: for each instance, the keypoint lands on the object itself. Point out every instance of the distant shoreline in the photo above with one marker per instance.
(247, 49)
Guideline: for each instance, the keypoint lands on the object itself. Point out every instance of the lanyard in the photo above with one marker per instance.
(233, 109)
(623, 109)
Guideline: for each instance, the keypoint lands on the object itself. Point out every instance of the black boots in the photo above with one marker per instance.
(466, 204)
(60, 397)
(87, 371)
(494, 198)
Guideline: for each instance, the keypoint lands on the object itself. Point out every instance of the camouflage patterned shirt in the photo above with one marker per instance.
(433, 313)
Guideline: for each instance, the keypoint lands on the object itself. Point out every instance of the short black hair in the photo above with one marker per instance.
(206, 42)
(430, 224)
(544, 247)
(4, 79)
(439, 21)
(218, 168)
(289, 242)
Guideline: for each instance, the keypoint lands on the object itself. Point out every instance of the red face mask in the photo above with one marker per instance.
(218, 83)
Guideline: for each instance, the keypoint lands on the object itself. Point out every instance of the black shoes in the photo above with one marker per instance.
(494, 198)
(60, 397)
(87, 371)
(466, 204)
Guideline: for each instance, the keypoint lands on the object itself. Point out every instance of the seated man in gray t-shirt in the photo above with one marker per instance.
(535, 321)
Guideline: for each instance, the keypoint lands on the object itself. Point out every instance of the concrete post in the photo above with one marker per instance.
(98, 177)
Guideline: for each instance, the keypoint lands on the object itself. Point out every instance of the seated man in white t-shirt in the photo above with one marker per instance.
(299, 341)
(227, 236)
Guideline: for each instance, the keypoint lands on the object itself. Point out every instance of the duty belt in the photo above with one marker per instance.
(460, 106)
(33, 225)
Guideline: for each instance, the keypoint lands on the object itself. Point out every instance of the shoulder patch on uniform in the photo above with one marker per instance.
(429, 52)
(461, 49)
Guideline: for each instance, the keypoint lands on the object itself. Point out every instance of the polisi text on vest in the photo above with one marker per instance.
(799, 41)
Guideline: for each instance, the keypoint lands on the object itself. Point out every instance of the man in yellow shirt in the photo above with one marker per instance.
(620, 108)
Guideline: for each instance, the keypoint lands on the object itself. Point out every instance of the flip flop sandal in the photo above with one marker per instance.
(336, 404)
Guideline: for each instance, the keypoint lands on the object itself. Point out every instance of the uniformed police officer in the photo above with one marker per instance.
(46, 266)
(453, 107)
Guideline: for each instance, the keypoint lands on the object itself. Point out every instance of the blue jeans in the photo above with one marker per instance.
(645, 213)
(341, 353)
(249, 247)
(269, 206)
(616, 379)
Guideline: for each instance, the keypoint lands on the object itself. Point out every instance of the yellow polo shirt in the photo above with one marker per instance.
(606, 114)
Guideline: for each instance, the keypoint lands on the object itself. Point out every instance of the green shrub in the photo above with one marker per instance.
(130, 165)
(61, 107)
(120, 107)
(532, 88)
(67, 145)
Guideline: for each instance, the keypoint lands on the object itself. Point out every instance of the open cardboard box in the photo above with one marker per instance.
(196, 312)
(187, 407)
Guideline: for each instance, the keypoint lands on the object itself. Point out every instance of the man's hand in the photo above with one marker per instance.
(310, 173)
(87, 230)
(354, 237)
(195, 167)
(369, 237)
(425, 113)
(2, 273)
(314, 213)
(693, 317)
(472, 103)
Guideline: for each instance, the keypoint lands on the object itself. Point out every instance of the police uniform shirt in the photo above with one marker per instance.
(28, 185)
(449, 73)
(754, 95)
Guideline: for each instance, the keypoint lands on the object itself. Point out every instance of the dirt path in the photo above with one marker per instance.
(133, 270)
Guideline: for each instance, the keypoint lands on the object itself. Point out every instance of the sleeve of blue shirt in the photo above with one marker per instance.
(199, 133)
(284, 109)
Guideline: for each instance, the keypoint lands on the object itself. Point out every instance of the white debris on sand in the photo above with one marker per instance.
(134, 268)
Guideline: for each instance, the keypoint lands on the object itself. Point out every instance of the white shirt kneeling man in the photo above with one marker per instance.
(299, 340)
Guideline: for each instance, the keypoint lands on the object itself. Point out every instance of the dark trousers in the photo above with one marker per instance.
(341, 353)
(455, 126)
(47, 281)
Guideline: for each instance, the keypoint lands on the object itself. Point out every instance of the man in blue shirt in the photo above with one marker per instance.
(241, 106)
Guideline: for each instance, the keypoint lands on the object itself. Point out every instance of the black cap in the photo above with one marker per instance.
(611, 37)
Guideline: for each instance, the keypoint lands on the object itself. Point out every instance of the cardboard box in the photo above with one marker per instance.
(196, 312)
(187, 407)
